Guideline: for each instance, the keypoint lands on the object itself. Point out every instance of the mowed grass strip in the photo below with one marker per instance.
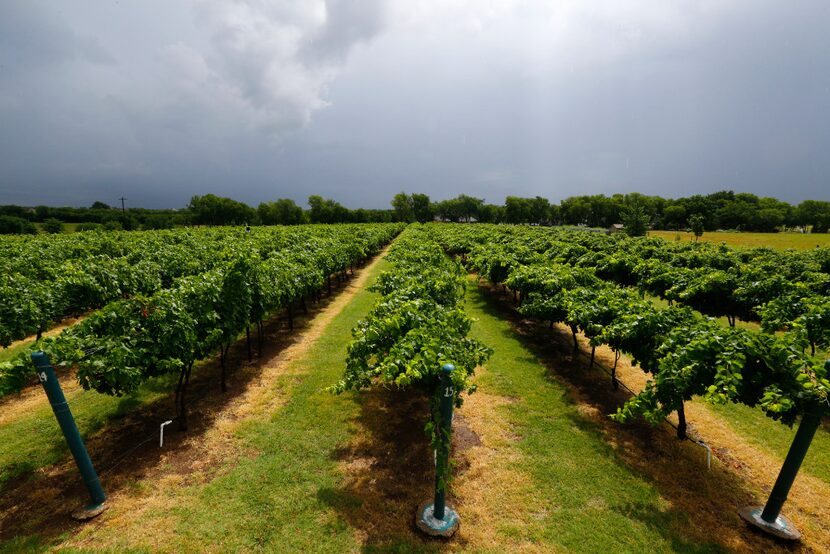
(582, 498)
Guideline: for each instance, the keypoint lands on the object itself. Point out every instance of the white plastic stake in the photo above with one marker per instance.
(161, 432)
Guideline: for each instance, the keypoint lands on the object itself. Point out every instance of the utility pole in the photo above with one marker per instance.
(122, 205)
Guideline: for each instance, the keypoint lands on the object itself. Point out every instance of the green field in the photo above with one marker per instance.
(798, 241)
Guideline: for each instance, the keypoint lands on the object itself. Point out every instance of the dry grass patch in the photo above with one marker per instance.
(492, 490)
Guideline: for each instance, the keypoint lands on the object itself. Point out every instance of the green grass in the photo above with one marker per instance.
(596, 503)
(67, 227)
(776, 438)
(779, 241)
(7, 354)
(34, 440)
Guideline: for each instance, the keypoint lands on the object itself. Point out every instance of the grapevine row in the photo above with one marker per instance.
(686, 353)
(131, 340)
(782, 290)
(47, 279)
(416, 327)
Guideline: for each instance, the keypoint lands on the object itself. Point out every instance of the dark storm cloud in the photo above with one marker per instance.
(158, 101)
(31, 37)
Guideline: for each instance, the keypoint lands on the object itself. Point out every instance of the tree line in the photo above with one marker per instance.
(719, 210)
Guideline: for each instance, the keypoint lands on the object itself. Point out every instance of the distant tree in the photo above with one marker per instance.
(376, 216)
(125, 221)
(317, 212)
(469, 206)
(422, 208)
(674, 216)
(324, 210)
(445, 210)
(42, 213)
(767, 220)
(157, 221)
(99, 206)
(696, 225)
(517, 210)
(10, 225)
(216, 210)
(16, 211)
(539, 210)
(554, 213)
(814, 213)
(604, 211)
(575, 210)
(737, 214)
(490, 213)
(53, 226)
(460, 208)
(360, 215)
(635, 218)
(404, 207)
(281, 212)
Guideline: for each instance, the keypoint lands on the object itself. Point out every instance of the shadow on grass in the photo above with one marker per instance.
(702, 513)
(36, 502)
(389, 470)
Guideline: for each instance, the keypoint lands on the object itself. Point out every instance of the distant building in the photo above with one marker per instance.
(616, 228)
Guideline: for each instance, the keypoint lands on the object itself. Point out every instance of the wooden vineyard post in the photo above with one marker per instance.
(437, 518)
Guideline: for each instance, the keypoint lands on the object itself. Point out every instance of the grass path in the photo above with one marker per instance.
(547, 478)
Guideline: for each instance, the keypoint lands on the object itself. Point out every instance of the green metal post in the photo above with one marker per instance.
(803, 437)
(769, 518)
(436, 518)
(46, 374)
(442, 461)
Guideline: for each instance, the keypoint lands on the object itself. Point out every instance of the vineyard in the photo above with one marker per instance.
(302, 367)
(596, 285)
(196, 296)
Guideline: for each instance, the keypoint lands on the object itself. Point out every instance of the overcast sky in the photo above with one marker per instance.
(359, 99)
